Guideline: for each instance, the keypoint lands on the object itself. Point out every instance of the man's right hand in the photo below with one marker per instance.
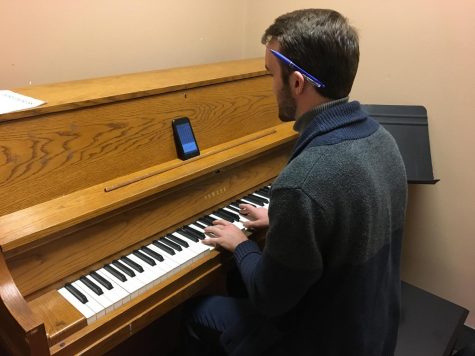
(258, 217)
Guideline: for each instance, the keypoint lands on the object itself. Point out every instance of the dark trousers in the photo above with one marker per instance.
(208, 318)
(205, 318)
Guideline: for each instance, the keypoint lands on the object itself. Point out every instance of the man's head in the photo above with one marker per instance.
(319, 41)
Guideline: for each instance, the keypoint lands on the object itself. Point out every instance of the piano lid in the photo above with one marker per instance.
(409, 126)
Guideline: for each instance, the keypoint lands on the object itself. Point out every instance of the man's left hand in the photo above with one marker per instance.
(224, 234)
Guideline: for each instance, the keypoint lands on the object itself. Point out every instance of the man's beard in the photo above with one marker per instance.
(286, 104)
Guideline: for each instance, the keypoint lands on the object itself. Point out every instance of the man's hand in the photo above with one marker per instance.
(258, 217)
(224, 234)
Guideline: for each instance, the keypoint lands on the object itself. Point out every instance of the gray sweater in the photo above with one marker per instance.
(328, 282)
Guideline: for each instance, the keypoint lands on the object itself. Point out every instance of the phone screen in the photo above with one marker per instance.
(185, 139)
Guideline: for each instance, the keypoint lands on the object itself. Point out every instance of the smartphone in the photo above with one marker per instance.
(185, 141)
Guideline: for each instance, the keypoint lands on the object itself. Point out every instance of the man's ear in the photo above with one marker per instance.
(296, 82)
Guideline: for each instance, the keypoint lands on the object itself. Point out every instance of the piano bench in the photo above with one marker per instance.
(429, 324)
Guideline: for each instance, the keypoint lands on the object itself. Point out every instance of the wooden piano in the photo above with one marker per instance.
(92, 176)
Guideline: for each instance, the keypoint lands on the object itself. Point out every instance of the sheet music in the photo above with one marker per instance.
(11, 101)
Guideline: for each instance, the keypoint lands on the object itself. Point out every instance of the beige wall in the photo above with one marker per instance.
(54, 40)
(412, 52)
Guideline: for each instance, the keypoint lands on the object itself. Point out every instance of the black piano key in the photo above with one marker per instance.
(171, 244)
(152, 253)
(264, 193)
(81, 297)
(132, 264)
(236, 204)
(201, 224)
(91, 285)
(233, 208)
(234, 216)
(144, 257)
(163, 247)
(254, 199)
(123, 268)
(195, 233)
(223, 216)
(115, 273)
(177, 240)
(188, 235)
(245, 202)
(231, 216)
(261, 199)
(208, 220)
(108, 285)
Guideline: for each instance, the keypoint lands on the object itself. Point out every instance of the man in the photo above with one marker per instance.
(327, 281)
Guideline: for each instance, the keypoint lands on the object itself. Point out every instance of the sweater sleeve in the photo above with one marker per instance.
(291, 262)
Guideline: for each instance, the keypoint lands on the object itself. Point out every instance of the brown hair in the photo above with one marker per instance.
(323, 43)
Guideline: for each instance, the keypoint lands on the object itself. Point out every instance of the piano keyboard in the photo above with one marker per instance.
(101, 291)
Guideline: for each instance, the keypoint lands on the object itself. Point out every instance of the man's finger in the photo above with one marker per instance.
(246, 209)
(249, 224)
(224, 222)
(213, 230)
(220, 222)
(212, 241)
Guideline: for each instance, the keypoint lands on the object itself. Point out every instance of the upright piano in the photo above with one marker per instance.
(93, 194)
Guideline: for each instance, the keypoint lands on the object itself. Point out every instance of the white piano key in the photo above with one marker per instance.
(168, 266)
(178, 249)
(199, 229)
(195, 252)
(117, 291)
(187, 254)
(98, 309)
(235, 206)
(138, 279)
(149, 274)
(198, 247)
(132, 286)
(200, 224)
(168, 260)
(184, 258)
(251, 203)
(87, 312)
(238, 224)
(144, 276)
(242, 218)
(170, 257)
(262, 197)
(167, 269)
(102, 300)
(160, 271)
(116, 294)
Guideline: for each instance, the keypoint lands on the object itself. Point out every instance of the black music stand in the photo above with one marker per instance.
(409, 127)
